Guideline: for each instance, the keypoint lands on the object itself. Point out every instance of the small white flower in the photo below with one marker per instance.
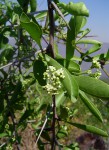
(52, 77)
(96, 64)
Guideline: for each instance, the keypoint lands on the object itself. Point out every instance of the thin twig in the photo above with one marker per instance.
(53, 123)
(23, 58)
(105, 71)
(37, 12)
(60, 13)
(48, 113)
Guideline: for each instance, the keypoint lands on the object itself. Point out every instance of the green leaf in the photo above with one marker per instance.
(93, 86)
(78, 9)
(68, 82)
(75, 24)
(84, 33)
(90, 128)
(69, 64)
(64, 112)
(3, 135)
(96, 45)
(39, 68)
(33, 5)
(60, 98)
(72, 66)
(41, 15)
(107, 55)
(24, 4)
(71, 36)
(32, 28)
(75, 58)
(62, 132)
(93, 109)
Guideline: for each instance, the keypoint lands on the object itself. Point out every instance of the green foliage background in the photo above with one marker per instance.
(83, 98)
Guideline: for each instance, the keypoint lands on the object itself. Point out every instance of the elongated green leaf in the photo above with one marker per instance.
(107, 55)
(3, 135)
(71, 36)
(84, 33)
(93, 86)
(80, 22)
(78, 9)
(90, 128)
(68, 82)
(75, 58)
(94, 110)
(41, 15)
(96, 45)
(39, 68)
(32, 28)
(33, 5)
(75, 24)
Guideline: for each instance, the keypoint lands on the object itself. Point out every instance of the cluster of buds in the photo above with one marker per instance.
(96, 75)
(96, 64)
(53, 77)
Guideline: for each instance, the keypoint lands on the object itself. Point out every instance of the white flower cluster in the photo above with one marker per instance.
(53, 76)
(96, 64)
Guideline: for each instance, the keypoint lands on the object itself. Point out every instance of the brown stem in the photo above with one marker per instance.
(51, 52)
(52, 29)
(53, 123)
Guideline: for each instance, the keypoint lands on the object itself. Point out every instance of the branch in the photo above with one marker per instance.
(23, 58)
(52, 29)
(51, 51)
(37, 12)
(60, 13)
(105, 71)
(44, 124)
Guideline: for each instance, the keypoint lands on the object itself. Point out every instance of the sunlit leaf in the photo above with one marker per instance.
(71, 36)
(72, 66)
(93, 86)
(96, 45)
(75, 24)
(78, 9)
(32, 28)
(93, 109)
